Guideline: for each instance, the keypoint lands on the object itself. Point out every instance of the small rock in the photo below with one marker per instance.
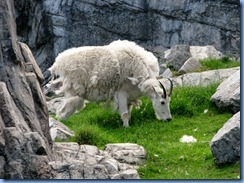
(162, 68)
(192, 64)
(58, 130)
(54, 104)
(126, 152)
(129, 174)
(167, 74)
(187, 139)
(205, 111)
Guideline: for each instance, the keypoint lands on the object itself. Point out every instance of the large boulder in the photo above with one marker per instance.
(88, 162)
(176, 56)
(186, 58)
(228, 93)
(200, 78)
(225, 145)
(203, 52)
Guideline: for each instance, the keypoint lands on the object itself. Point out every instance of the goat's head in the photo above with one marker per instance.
(161, 101)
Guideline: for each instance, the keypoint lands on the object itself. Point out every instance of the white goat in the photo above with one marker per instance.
(105, 72)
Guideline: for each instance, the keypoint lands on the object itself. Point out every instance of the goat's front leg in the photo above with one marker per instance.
(123, 108)
(69, 106)
(136, 104)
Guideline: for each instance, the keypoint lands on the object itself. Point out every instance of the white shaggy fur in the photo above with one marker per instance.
(131, 47)
(122, 70)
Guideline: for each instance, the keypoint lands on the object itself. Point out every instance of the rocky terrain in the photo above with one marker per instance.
(49, 27)
(25, 141)
(27, 150)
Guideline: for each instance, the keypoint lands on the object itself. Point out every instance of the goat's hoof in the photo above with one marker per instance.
(126, 125)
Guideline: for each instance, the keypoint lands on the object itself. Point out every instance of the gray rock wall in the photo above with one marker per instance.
(50, 27)
(25, 141)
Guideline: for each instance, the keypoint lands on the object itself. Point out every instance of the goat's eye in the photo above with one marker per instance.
(162, 102)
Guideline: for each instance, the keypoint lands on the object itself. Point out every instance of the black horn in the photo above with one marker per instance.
(163, 89)
(171, 87)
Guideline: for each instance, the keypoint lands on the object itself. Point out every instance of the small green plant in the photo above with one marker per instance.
(92, 136)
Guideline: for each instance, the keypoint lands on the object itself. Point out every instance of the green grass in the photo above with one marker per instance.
(214, 63)
(167, 158)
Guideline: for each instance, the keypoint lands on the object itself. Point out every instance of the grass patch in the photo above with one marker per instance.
(167, 158)
(214, 63)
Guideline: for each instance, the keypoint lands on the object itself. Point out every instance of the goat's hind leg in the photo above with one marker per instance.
(123, 108)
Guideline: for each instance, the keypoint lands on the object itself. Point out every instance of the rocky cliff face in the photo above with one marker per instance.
(25, 141)
(50, 27)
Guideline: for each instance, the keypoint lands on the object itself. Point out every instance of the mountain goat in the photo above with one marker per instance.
(121, 71)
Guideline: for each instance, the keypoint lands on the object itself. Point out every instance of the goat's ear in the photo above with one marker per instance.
(134, 81)
(154, 93)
